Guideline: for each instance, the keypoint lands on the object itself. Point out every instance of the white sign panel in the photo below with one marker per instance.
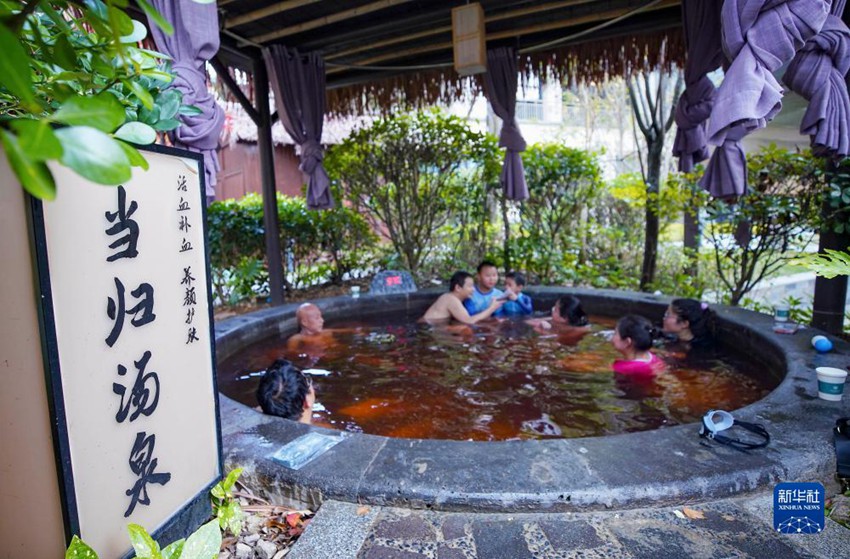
(130, 344)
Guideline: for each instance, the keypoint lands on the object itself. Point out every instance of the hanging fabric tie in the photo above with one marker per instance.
(759, 36)
(298, 82)
(818, 73)
(500, 85)
(195, 40)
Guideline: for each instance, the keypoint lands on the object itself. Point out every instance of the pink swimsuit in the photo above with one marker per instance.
(639, 368)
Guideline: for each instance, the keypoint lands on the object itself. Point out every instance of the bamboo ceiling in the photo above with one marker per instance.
(388, 52)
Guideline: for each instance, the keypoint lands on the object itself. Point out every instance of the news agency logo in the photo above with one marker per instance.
(798, 508)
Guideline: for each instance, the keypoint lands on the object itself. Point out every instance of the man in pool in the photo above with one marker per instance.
(450, 305)
(311, 330)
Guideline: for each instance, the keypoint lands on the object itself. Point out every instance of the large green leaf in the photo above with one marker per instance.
(15, 69)
(139, 33)
(143, 544)
(151, 12)
(204, 543)
(169, 103)
(140, 92)
(79, 550)
(167, 124)
(94, 155)
(137, 133)
(35, 177)
(173, 550)
(135, 158)
(37, 139)
(63, 53)
(103, 112)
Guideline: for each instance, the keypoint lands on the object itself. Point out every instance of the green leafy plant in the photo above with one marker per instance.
(203, 543)
(225, 507)
(75, 88)
(828, 264)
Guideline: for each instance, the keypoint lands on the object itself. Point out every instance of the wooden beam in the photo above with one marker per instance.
(221, 69)
(278, 8)
(448, 28)
(327, 20)
(590, 18)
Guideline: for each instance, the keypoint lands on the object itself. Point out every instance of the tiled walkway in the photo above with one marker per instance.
(738, 528)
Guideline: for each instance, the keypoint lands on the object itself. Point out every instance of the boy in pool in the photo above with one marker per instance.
(517, 303)
(450, 305)
(485, 290)
(633, 338)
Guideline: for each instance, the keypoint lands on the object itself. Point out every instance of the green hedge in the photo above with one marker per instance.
(317, 246)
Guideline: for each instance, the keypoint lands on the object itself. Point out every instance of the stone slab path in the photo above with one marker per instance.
(734, 528)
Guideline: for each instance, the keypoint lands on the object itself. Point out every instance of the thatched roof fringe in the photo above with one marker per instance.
(593, 61)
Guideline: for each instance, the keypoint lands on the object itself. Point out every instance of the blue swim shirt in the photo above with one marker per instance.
(522, 306)
(479, 302)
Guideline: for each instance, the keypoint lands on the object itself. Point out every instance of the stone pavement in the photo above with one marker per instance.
(733, 528)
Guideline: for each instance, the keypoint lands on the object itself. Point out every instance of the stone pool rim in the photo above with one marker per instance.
(663, 466)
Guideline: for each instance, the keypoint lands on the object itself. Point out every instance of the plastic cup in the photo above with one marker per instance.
(355, 291)
(831, 383)
(781, 313)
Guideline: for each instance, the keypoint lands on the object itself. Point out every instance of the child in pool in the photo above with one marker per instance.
(691, 322)
(517, 303)
(633, 337)
(485, 289)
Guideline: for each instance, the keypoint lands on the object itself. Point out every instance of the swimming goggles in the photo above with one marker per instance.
(716, 421)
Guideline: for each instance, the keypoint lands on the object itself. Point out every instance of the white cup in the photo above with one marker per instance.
(781, 313)
(355, 291)
(831, 383)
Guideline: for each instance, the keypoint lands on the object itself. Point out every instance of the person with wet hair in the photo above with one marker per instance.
(568, 321)
(633, 337)
(690, 321)
(286, 392)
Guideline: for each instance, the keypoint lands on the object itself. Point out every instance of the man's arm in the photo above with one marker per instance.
(459, 312)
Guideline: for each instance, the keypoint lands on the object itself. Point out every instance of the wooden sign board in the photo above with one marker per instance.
(129, 347)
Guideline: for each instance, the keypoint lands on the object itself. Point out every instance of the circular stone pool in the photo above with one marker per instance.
(396, 377)
(663, 465)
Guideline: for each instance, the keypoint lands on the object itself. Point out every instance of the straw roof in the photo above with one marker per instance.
(384, 53)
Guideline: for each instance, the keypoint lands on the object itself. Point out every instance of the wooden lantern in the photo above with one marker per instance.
(470, 54)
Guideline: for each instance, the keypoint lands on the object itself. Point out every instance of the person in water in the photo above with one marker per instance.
(485, 289)
(517, 303)
(312, 333)
(450, 305)
(286, 392)
(567, 312)
(690, 321)
(633, 338)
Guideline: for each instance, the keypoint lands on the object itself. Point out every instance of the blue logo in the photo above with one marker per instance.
(798, 508)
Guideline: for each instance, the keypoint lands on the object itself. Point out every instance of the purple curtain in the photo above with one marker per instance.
(500, 83)
(298, 82)
(818, 73)
(705, 54)
(195, 40)
(759, 36)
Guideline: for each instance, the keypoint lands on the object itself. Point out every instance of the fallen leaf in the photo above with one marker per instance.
(728, 517)
(693, 514)
(679, 514)
(293, 519)
(362, 510)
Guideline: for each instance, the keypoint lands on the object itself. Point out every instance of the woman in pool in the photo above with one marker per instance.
(690, 321)
(285, 391)
(568, 320)
(633, 337)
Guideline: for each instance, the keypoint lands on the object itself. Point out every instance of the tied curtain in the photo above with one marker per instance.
(195, 40)
(758, 37)
(818, 73)
(298, 82)
(705, 54)
(500, 85)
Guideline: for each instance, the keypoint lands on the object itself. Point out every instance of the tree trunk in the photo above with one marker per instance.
(691, 243)
(830, 294)
(650, 246)
(506, 247)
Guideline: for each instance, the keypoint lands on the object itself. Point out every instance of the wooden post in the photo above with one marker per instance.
(270, 217)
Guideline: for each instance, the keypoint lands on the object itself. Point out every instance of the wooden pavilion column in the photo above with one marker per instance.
(271, 222)
(830, 294)
(264, 120)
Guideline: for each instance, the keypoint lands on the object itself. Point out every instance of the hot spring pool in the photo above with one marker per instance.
(395, 377)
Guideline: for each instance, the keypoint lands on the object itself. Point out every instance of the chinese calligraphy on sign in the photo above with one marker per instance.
(129, 295)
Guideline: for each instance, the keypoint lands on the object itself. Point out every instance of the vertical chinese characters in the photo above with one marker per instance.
(144, 392)
(187, 281)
